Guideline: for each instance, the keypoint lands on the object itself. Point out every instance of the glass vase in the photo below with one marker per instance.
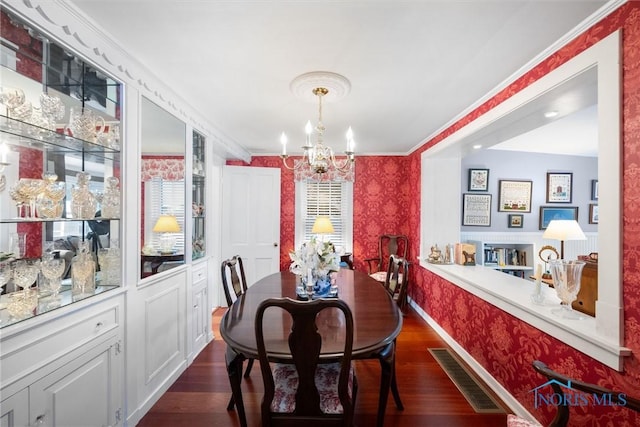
(566, 281)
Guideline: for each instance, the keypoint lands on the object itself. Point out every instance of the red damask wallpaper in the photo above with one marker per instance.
(380, 193)
(504, 345)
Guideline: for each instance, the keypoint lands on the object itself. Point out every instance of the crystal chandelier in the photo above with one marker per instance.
(318, 162)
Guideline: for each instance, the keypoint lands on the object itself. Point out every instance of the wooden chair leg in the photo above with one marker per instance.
(247, 373)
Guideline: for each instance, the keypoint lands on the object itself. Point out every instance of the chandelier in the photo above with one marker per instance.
(319, 162)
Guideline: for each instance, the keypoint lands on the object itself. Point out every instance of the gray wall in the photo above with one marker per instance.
(534, 167)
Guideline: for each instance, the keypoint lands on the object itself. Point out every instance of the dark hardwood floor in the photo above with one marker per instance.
(200, 396)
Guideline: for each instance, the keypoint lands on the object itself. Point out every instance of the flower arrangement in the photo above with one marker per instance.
(317, 256)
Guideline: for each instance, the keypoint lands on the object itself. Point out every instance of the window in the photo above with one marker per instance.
(163, 197)
(329, 198)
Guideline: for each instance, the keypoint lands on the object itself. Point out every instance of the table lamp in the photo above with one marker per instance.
(322, 225)
(564, 229)
(167, 225)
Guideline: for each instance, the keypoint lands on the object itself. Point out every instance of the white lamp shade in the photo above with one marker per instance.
(322, 225)
(564, 229)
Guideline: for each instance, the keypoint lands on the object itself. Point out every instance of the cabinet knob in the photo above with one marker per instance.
(275, 244)
(98, 325)
(39, 420)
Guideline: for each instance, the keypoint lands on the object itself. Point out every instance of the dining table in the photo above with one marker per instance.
(377, 324)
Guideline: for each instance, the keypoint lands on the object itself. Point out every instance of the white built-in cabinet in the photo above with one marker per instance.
(201, 314)
(67, 366)
(67, 371)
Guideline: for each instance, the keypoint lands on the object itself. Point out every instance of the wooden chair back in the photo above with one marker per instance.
(561, 419)
(388, 244)
(305, 344)
(234, 281)
(397, 279)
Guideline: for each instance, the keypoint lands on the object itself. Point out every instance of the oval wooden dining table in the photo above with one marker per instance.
(377, 323)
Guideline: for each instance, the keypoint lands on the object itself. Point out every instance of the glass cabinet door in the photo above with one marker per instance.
(198, 196)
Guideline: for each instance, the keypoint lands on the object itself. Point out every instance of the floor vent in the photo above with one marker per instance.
(476, 394)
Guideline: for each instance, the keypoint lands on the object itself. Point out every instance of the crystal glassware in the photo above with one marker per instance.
(111, 198)
(566, 281)
(25, 273)
(22, 304)
(52, 110)
(52, 269)
(85, 125)
(83, 201)
(49, 203)
(18, 244)
(83, 269)
(31, 188)
(19, 198)
(12, 98)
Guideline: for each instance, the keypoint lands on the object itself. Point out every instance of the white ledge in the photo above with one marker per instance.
(513, 295)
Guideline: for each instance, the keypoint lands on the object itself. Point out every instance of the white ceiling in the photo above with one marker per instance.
(414, 66)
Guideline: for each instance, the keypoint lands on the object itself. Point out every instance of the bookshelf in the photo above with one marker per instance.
(512, 258)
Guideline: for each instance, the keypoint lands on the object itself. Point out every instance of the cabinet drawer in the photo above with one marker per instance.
(32, 349)
(199, 274)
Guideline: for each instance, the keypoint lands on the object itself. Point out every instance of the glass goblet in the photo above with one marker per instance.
(25, 273)
(32, 187)
(19, 198)
(566, 281)
(52, 269)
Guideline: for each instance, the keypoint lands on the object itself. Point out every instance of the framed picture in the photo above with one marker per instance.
(593, 213)
(547, 213)
(514, 196)
(476, 209)
(516, 220)
(478, 180)
(559, 188)
(594, 189)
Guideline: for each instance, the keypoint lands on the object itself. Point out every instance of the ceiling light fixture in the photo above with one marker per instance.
(318, 160)
(550, 114)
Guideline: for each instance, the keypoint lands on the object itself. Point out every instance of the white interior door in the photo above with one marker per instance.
(251, 219)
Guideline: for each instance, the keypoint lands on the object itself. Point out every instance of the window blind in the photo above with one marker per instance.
(164, 198)
(326, 199)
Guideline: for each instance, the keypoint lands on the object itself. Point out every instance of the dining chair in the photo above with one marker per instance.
(396, 280)
(388, 244)
(558, 382)
(302, 389)
(234, 284)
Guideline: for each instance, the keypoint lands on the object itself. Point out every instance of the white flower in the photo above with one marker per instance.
(318, 256)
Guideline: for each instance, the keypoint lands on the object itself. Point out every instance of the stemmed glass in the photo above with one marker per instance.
(50, 200)
(52, 269)
(19, 198)
(25, 274)
(566, 281)
(31, 188)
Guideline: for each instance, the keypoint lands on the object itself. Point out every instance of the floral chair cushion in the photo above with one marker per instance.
(516, 421)
(285, 378)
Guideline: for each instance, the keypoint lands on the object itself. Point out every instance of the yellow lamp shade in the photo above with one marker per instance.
(322, 225)
(166, 224)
